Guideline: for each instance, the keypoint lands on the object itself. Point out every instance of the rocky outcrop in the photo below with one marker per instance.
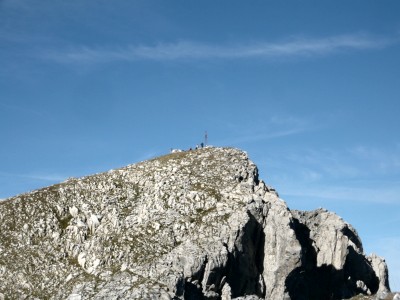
(188, 225)
(334, 266)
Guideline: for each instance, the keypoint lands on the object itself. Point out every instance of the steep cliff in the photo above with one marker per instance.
(189, 225)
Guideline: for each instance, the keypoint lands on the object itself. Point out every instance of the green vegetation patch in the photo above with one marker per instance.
(64, 222)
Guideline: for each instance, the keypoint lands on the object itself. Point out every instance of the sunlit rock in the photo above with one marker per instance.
(189, 225)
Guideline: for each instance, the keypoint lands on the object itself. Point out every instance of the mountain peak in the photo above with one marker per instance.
(197, 224)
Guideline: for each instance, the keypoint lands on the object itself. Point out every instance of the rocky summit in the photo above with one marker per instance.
(189, 225)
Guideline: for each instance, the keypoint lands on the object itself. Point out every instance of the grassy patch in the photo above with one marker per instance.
(171, 156)
(64, 222)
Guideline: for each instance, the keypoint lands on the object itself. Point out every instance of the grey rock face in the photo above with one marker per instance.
(188, 225)
(380, 268)
(334, 265)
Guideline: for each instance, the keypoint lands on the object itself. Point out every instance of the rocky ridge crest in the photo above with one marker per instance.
(189, 225)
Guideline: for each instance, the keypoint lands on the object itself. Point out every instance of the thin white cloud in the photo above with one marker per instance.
(354, 175)
(389, 195)
(276, 126)
(248, 138)
(40, 177)
(47, 177)
(353, 163)
(188, 50)
(384, 161)
(273, 127)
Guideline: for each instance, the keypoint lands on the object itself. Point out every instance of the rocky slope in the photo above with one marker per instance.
(189, 225)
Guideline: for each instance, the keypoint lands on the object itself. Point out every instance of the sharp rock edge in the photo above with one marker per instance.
(189, 225)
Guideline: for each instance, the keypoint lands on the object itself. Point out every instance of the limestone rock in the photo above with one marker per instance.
(380, 268)
(333, 261)
(189, 225)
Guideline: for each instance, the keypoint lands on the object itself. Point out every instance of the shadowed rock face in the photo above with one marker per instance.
(190, 225)
(334, 266)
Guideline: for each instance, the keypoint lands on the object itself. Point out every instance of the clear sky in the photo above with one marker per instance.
(310, 89)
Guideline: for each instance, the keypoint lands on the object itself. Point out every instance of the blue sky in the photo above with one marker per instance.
(310, 89)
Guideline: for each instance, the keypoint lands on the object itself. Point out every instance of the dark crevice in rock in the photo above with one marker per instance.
(310, 282)
(309, 255)
(256, 176)
(324, 282)
(357, 268)
(245, 265)
(180, 287)
(352, 237)
(193, 289)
